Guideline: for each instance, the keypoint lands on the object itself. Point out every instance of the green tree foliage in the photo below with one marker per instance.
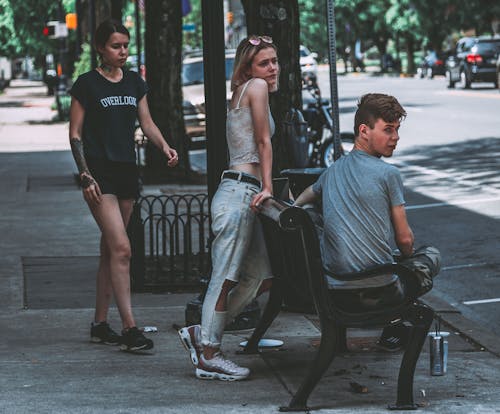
(193, 40)
(476, 14)
(84, 62)
(416, 23)
(29, 19)
(21, 27)
(9, 45)
(313, 29)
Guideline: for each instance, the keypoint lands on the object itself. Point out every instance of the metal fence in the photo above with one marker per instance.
(169, 235)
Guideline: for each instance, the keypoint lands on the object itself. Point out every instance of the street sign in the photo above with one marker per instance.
(189, 27)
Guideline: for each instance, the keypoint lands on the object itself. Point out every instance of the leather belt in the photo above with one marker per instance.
(239, 176)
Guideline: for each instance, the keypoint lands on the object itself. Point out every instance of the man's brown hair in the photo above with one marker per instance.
(373, 106)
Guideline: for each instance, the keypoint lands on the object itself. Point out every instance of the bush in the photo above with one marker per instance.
(62, 108)
(84, 62)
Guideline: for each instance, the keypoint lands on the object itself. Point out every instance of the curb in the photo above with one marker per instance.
(468, 329)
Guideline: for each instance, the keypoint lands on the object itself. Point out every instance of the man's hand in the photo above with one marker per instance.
(306, 197)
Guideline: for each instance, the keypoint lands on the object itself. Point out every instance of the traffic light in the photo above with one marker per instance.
(55, 29)
(49, 30)
(230, 17)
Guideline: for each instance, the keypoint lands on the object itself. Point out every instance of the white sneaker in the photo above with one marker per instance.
(191, 339)
(220, 368)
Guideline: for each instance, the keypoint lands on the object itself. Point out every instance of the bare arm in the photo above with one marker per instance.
(403, 234)
(307, 196)
(258, 94)
(154, 134)
(91, 190)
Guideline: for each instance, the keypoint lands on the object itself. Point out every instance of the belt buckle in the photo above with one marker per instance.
(240, 176)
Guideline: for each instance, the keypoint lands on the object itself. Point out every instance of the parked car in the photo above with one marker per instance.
(434, 63)
(193, 93)
(474, 60)
(308, 63)
(498, 72)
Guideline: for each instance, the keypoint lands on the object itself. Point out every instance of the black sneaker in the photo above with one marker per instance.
(101, 333)
(394, 338)
(132, 339)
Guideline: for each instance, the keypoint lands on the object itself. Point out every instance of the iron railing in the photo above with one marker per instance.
(169, 236)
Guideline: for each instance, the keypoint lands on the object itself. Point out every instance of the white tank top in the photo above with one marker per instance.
(240, 134)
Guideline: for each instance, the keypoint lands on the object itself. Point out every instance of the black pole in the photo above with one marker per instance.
(212, 12)
(93, 54)
(334, 95)
(78, 9)
(62, 52)
(138, 35)
(116, 10)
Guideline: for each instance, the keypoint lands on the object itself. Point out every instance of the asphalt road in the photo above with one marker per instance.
(449, 154)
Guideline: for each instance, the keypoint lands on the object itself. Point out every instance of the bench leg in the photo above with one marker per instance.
(270, 312)
(320, 364)
(421, 318)
(341, 345)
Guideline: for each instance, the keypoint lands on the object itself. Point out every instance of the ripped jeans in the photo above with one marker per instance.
(238, 254)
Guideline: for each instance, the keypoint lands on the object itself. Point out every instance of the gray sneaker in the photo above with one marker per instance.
(220, 368)
(191, 339)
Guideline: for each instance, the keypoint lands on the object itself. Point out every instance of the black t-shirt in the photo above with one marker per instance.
(110, 114)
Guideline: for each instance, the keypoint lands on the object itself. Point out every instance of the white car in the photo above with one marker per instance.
(193, 93)
(308, 63)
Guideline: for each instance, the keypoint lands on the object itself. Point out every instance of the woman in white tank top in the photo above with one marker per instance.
(240, 265)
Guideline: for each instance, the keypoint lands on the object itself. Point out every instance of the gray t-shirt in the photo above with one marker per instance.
(357, 193)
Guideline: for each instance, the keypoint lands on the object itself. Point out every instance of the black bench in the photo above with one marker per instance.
(294, 252)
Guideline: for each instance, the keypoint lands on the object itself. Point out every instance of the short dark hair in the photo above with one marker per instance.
(106, 29)
(373, 106)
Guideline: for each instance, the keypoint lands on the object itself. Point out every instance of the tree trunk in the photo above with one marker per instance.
(280, 19)
(103, 10)
(410, 48)
(163, 62)
(116, 10)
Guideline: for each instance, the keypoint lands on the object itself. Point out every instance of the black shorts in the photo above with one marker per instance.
(118, 178)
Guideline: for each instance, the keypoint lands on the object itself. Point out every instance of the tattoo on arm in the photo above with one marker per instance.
(83, 170)
(77, 150)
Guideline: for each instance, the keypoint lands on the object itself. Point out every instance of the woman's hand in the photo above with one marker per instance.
(172, 157)
(91, 191)
(259, 198)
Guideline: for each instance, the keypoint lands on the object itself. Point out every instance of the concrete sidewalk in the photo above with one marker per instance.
(49, 241)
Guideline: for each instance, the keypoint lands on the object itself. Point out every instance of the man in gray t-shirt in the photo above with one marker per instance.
(358, 193)
(364, 207)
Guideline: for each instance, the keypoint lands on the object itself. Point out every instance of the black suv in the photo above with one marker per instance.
(473, 61)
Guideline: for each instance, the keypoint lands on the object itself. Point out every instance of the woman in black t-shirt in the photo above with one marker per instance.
(104, 106)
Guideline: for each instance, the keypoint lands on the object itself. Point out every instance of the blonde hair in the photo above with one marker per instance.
(243, 59)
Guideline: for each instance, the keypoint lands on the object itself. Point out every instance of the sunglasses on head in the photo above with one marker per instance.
(255, 40)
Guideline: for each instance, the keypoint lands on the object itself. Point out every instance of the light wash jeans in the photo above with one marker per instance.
(238, 254)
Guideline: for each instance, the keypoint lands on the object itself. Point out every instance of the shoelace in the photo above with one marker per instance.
(220, 360)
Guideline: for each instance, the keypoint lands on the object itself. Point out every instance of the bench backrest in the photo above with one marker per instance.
(294, 254)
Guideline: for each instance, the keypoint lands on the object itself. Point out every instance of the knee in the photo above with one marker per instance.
(433, 256)
(265, 286)
(121, 251)
(227, 286)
